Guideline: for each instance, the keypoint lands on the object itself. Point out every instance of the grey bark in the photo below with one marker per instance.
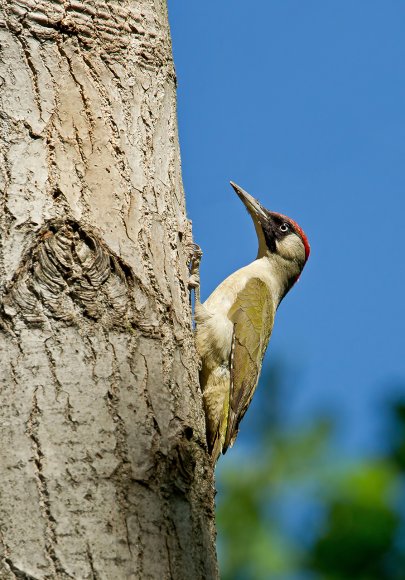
(104, 471)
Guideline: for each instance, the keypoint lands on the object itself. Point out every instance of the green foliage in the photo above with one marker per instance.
(354, 535)
(398, 451)
(361, 526)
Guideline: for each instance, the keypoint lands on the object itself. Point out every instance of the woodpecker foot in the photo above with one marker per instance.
(194, 268)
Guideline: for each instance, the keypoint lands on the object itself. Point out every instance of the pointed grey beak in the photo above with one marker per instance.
(251, 204)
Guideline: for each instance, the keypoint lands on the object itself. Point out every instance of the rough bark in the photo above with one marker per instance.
(103, 465)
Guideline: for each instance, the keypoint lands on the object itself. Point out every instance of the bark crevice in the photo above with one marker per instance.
(17, 573)
(42, 485)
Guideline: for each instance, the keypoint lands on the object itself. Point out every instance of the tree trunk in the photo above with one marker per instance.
(104, 471)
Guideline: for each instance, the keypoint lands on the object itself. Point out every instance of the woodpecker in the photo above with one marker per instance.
(233, 326)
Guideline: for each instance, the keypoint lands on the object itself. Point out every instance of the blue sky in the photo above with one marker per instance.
(303, 105)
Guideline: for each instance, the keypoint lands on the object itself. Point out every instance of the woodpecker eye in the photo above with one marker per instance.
(284, 227)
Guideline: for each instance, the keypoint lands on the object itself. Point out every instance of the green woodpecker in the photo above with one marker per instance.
(234, 324)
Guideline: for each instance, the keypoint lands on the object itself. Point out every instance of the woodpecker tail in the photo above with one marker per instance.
(216, 404)
(216, 451)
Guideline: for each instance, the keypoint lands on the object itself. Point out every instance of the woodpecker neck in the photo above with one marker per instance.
(279, 274)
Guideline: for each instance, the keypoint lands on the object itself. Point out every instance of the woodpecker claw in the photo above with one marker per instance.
(194, 281)
(194, 269)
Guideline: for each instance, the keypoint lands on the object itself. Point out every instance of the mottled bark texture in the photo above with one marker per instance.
(103, 465)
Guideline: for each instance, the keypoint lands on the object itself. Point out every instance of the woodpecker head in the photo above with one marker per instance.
(278, 235)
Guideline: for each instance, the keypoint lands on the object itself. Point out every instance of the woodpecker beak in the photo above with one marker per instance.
(251, 204)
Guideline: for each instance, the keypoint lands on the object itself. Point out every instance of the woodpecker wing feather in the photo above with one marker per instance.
(253, 316)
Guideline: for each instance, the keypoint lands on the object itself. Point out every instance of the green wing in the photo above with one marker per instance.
(253, 317)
